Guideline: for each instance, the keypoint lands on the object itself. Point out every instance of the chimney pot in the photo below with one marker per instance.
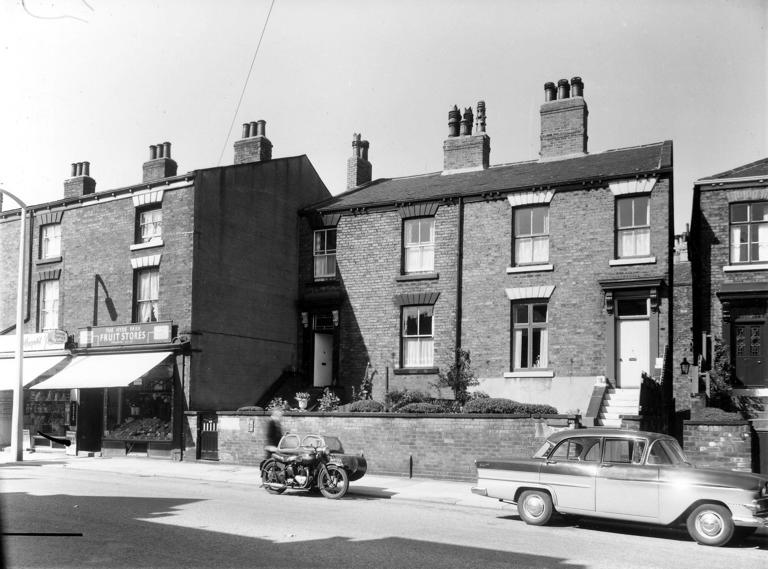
(480, 117)
(261, 128)
(74, 169)
(359, 169)
(86, 168)
(454, 117)
(466, 122)
(563, 89)
(152, 152)
(550, 92)
(253, 130)
(364, 144)
(166, 149)
(246, 130)
(577, 87)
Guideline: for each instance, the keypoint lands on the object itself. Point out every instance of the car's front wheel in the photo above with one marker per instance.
(535, 507)
(711, 524)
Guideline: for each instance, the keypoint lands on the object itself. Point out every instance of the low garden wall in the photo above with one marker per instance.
(719, 444)
(433, 445)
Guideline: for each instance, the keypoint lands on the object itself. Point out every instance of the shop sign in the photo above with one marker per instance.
(50, 340)
(126, 335)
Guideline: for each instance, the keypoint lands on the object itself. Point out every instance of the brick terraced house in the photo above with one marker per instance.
(175, 293)
(554, 273)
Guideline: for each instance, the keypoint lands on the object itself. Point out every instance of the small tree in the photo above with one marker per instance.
(459, 377)
(721, 377)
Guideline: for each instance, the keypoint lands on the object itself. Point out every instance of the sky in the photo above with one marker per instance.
(102, 80)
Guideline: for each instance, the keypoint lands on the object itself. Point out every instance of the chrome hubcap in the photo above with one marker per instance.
(534, 506)
(709, 524)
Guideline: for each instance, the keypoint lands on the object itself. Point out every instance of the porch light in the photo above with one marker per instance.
(685, 367)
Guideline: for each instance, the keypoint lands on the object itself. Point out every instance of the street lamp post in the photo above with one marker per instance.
(17, 417)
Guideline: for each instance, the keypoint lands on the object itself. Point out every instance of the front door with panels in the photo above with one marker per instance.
(749, 352)
(633, 341)
(323, 327)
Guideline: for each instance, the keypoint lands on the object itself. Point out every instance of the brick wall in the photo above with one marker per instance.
(683, 339)
(563, 127)
(719, 445)
(439, 446)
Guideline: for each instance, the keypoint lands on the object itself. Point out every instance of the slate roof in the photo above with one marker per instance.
(758, 168)
(612, 164)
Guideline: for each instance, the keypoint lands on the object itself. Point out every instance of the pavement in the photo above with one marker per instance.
(383, 487)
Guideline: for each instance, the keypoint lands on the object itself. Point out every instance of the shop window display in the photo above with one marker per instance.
(48, 412)
(140, 412)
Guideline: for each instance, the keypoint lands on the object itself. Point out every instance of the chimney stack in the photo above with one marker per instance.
(359, 169)
(254, 146)
(80, 183)
(160, 165)
(462, 150)
(564, 120)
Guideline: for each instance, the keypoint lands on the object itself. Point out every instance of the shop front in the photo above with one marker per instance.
(121, 391)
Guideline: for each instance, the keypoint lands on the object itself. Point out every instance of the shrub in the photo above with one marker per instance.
(420, 408)
(279, 403)
(459, 376)
(398, 399)
(329, 401)
(366, 406)
(507, 406)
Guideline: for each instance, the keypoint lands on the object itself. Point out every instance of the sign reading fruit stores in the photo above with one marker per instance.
(127, 335)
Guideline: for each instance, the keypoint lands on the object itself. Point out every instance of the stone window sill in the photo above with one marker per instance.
(530, 269)
(147, 245)
(416, 371)
(49, 260)
(537, 373)
(632, 261)
(745, 267)
(418, 277)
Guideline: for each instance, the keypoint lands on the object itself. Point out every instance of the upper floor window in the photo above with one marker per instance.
(419, 245)
(324, 252)
(418, 340)
(149, 224)
(633, 229)
(531, 235)
(146, 307)
(49, 305)
(50, 241)
(529, 336)
(749, 232)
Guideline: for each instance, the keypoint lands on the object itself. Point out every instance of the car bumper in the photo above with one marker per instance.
(479, 491)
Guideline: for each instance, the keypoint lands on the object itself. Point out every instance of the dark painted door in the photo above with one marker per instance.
(750, 352)
(90, 417)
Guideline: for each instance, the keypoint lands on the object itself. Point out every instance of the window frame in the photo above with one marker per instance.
(529, 326)
(749, 223)
(42, 312)
(325, 253)
(532, 236)
(138, 302)
(419, 337)
(139, 239)
(45, 253)
(634, 228)
(420, 246)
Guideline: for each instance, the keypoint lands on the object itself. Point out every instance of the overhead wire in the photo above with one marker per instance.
(245, 85)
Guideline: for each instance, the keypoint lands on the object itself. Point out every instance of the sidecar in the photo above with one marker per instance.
(355, 465)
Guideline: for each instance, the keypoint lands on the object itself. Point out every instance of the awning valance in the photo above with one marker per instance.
(32, 368)
(109, 370)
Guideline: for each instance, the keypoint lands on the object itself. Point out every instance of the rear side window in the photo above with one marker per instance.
(658, 455)
(578, 448)
(624, 451)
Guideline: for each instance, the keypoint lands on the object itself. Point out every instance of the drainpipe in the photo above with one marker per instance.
(459, 274)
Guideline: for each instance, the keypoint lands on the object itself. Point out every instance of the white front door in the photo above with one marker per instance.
(323, 375)
(634, 352)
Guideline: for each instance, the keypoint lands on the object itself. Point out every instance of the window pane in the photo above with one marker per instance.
(523, 250)
(410, 321)
(632, 307)
(759, 211)
(624, 207)
(319, 241)
(521, 349)
(428, 258)
(540, 221)
(627, 243)
(540, 249)
(330, 240)
(536, 345)
(425, 322)
(427, 230)
(617, 451)
(522, 222)
(643, 241)
(762, 240)
(641, 211)
(411, 232)
(521, 314)
(539, 312)
(412, 259)
(739, 212)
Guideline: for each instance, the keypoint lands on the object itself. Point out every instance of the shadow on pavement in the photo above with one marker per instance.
(67, 531)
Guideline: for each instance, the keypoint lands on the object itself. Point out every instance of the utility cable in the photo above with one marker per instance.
(245, 85)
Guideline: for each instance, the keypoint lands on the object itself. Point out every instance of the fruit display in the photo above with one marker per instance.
(144, 429)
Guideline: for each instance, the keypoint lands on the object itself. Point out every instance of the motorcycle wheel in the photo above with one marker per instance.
(271, 474)
(333, 482)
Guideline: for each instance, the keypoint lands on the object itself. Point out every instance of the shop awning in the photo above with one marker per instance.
(112, 370)
(32, 368)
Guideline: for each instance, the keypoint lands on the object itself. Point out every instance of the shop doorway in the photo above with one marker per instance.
(90, 420)
(633, 342)
(749, 352)
(323, 369)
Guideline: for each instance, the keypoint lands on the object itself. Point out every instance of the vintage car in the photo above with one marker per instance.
(627, 475)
